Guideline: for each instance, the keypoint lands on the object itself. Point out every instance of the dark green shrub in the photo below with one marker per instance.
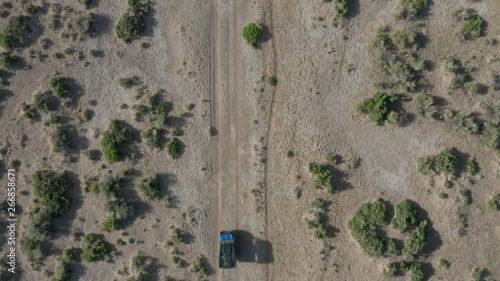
(60, 140)
(405, 216)
(70, 255)
(80, 27)
(7, 60)
(416, 241)
(252, 33)
(44, 101)
(444, 263)
(341, 7)
(417, 273)
(466, 196)
(392, 249)
(132, 23)
(444, 162)
(96, 248)
(152, 137)
(109, 224)
(151, 187)
(32, 247)
(443, 195)
(494, 203)
(50, 189)
(30, 112)
(92, 154)
(15, 33)
(377, 107)
(60, 86)
(174, 148)
(473, 27)
(472, 167)
(322, 176)
(63, 273)
(271, 81)
(159, 107)
(128, 82)
(412, 8)
(114, 139)
(200, 266)
(365, 224)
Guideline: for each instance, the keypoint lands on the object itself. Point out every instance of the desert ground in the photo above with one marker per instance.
(216, 133)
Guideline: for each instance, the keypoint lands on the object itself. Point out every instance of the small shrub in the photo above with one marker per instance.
(377, 107)
(271, 81)
(444, 162)
(80, 27)
(60, 86)
(416, 241)
(491, 135)
(60, 140)
(322, 176)
(96, 248)
(341, 7)
(63, 273)
(120, 209)
(473, 27)
(176, 238)
(15, 33)
(174, 148)
(114, 139)
(382, 39)
(417, 273)
(364, 227)
(252, 33)
(318, 203)
(471, 87)
(425, 105)
(465, 123)
(69, 255)
(478, 273)
(443, 263)
(50, 189)
(391, 270)
(412, 8)
(151, 187)
(494, 203)
(443, 195)
(392, 249)
(128, 82)
(40, 225)
(405, 38)
(472, 166)
(7, 60)
(132, 23)
(92, 154)
(159, 107)
(32, 247)
(86, 115)
(86, 3)
(405, 216)
(44, 101)
(200, 266)
(466, 196)
(29, 111)
(152, 137)
(109, 224)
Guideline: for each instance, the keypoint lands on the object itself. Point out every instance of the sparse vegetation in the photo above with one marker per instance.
(405, 216)
(69, 255)
(405, 38)
(252, 33)
(494, 203)
(60, 140)
(80, 26)
(466, 196)
(92, 154)
(377, 107)
(478, 273)
(152, 137)
(7, 60)
(200, 266)
(95, 249)
(425, 105)
(151, 187)
(472, 167)
(44, 101)
(322, 176)
(15, 32)
(50, 188)
(109, 224)
(413, 8)
(444, 162)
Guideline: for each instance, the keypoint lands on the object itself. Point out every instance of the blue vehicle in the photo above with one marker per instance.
(227, 255)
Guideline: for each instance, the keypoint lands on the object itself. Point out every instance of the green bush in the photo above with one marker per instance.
(471, 87)
(70, 255)
(414, 8)
(318, 203)
(174, 148)
(50, 188)
(391, 270)
(392, 249)
(405, 38)
(416, 241)
(377, 107)
(109, 224)
(7, 60)
(425, 105)
(444, 162)
(15, 33)
(63, 273)
(60, 140)
(271, 81)
(152, 137)
(114, 139)
(382, 39)
(159, 107)
(80, 26)
(39, 224)
(405, 216)
(341, 7)
(30, 112)
(493, 110)
(491, 135)
(365, 224)
(120, 209)
(466, 196)
(176, 237)
(151, 187)
(474, 26)
(44, 101)
(444, 263)
(322, 176)
(417, 273)
(32, 247)
(60, 86)
(96, 248)
(478, 273)
(252, 33)
(465, 123)
(494, 203)
(132, 23)
(200, 266)
(472, 167)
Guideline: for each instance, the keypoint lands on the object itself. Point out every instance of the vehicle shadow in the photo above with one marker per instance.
(251, 249)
